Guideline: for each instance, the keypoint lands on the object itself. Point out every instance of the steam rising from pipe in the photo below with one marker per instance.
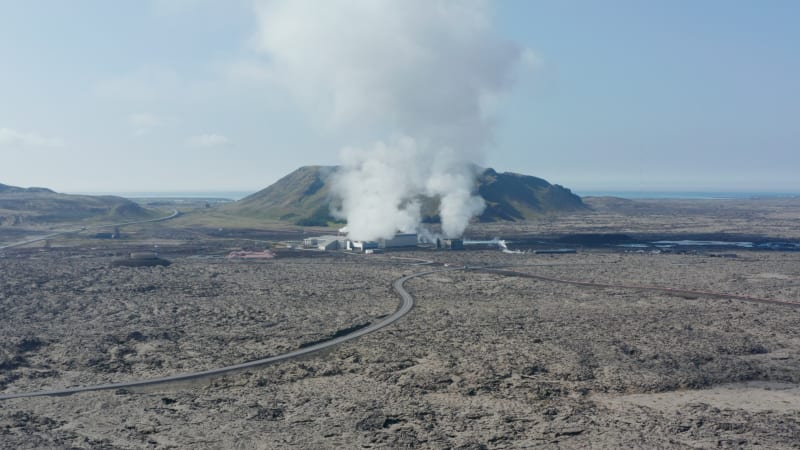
(416, 78)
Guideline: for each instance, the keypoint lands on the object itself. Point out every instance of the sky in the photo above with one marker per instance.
(179, 95)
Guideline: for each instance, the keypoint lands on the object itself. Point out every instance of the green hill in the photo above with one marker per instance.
(303, 197)
(36, 206)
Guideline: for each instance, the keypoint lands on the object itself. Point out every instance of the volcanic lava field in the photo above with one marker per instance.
(486, 359)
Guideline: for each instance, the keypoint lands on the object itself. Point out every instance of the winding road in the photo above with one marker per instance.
(175, 213)
(406, 304)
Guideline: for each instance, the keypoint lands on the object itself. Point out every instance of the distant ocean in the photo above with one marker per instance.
(699, 195)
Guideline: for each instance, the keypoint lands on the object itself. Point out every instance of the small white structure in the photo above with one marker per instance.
(328, 245)
(451, 244)
(361, 246)
(398, 241)
(329, 242)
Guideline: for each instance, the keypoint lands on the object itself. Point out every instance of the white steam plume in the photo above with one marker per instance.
(412, 76)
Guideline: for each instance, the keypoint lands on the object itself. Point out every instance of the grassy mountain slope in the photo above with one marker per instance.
(300, 197)
(32, 206)
(303, 197)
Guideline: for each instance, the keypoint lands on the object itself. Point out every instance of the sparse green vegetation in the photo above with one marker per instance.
(40, 206)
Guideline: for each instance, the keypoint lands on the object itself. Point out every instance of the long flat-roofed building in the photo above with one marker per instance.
(329, 242)
(400, 240)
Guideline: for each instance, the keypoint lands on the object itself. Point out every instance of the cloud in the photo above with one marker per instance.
(143, 123)
(208, 140)
(10, 137)
(419, 78)
(417, 67)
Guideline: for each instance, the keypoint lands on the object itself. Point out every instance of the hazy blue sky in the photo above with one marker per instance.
(625, 95)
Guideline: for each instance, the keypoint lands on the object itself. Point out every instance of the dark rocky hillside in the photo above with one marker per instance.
(512, 196)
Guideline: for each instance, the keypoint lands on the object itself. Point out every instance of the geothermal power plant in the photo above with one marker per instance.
(399, 241)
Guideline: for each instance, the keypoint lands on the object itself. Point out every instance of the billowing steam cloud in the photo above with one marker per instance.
(420, 74)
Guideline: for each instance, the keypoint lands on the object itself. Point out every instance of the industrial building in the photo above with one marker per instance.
(361, 246)
(329, 242)
(332, 242)
(400, 240)
(450, 244)
(327, 245)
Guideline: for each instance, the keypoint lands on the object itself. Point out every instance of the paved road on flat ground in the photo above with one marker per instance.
(174, 214)
(406, 304)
